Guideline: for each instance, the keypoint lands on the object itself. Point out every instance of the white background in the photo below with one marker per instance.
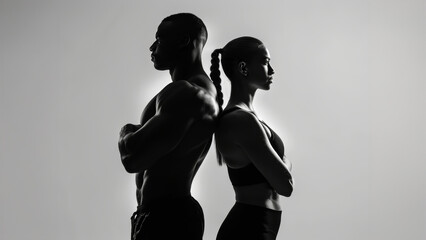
(348, 100)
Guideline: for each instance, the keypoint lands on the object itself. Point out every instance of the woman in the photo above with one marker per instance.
(252, 151)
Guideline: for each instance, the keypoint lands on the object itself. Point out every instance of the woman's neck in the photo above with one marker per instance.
(241, 97)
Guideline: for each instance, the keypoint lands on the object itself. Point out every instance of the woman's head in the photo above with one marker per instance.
(239, 50)
(245, 61)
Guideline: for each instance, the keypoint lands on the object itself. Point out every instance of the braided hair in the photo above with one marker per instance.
(215, 76)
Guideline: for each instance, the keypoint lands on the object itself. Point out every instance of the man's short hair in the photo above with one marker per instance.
(190, 24)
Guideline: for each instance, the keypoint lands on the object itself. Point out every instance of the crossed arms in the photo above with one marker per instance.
(241, 133)
(177, 107)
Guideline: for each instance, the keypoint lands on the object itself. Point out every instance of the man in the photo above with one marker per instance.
(175, 133)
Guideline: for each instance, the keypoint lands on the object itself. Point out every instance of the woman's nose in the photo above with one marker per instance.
(271, 70)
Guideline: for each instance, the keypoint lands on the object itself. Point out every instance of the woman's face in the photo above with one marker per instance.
(259, 70)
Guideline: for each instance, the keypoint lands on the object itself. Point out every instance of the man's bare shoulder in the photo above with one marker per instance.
(195, 96)
(204, 82)
(195, 83)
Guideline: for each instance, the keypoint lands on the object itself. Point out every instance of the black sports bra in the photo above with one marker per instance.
(249, 174)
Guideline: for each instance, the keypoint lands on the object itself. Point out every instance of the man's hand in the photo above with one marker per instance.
(124, 134)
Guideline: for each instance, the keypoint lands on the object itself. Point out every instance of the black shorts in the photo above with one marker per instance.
(173, 218)
(250, 222)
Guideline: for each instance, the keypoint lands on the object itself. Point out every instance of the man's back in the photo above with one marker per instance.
(172, 175)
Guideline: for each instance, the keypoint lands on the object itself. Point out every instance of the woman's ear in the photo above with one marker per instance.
(242, 68)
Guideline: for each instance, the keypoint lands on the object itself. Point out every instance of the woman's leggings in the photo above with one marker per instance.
(250, 222)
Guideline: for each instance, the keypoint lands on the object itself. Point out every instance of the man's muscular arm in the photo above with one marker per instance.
(178, 106)
(147, 113)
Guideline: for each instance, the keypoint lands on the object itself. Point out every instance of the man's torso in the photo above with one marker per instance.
(173, 174)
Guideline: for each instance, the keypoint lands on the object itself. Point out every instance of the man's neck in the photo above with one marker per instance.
(185, 70)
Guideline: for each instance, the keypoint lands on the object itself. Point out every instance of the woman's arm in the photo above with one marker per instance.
(249, 135)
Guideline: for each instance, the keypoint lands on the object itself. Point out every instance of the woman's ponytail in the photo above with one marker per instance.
(215, 76)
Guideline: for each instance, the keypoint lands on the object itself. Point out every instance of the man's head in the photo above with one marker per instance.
(178, 37)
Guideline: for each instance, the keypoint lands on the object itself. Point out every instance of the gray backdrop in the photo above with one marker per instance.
(347, 100)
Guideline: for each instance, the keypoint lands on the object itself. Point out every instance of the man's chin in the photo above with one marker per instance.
(160, 67)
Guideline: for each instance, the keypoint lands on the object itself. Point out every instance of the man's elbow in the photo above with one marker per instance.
(287, 189)
(128, 164)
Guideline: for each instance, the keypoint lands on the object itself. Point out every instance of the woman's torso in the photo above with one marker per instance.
(249, 184)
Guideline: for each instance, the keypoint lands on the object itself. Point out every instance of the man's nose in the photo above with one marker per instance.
(153, 46)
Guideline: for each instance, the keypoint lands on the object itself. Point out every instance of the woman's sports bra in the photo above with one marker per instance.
(249, 174)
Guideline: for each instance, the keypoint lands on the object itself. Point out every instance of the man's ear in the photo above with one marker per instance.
(184, 41)
(242, 68)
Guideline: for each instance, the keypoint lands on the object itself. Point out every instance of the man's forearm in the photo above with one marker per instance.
(158, 136)
(131, 163)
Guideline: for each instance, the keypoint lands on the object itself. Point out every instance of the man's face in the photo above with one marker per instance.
(166, 47)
